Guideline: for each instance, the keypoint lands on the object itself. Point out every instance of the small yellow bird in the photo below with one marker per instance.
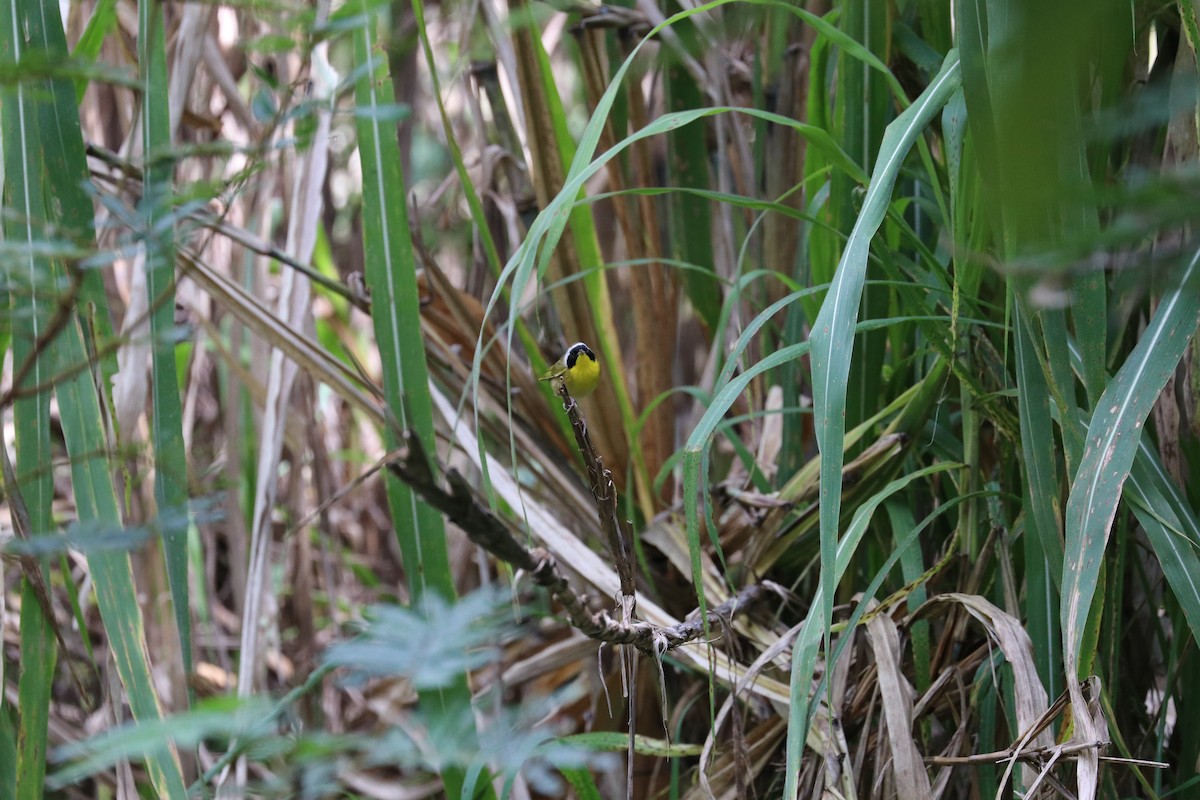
(578, 369)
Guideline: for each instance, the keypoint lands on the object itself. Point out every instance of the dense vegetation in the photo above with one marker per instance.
(896, 309)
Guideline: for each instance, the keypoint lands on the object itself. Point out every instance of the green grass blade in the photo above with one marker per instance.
(725, 395)
(1176, 551)
(862, 107)
(57, 187)
(391, 275)
(112, 572)
(582, 782)
(395, 309)
(970, 22)
(104, 17)
(83, 427)
(912, 566)
(1168, 518)
(1043, 537)
(39, 655)
(547, 229)
(1037, 432)
(833, 339)
(688, 213)
(1060, 379)
(1089, 313)
(31, 300)
(170, 460)
(8, 750)
(1179, 512)
(1113, 435)
(67, 171)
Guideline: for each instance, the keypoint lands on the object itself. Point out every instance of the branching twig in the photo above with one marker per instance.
(485, 529)
(605, 492)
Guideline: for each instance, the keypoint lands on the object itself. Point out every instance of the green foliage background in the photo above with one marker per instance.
(896, 305)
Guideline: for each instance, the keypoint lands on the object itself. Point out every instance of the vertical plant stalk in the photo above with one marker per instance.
(166, 413)
(656, 306)
(31, 412)
(395, 311)
(783, 150)
(618, 535)
(861, 108)
(293, 308)
(395, 308)
(690, 215)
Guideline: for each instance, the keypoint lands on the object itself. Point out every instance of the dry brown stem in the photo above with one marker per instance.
(485, 529)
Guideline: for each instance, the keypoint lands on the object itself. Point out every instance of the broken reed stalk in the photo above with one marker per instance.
(616, 532)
